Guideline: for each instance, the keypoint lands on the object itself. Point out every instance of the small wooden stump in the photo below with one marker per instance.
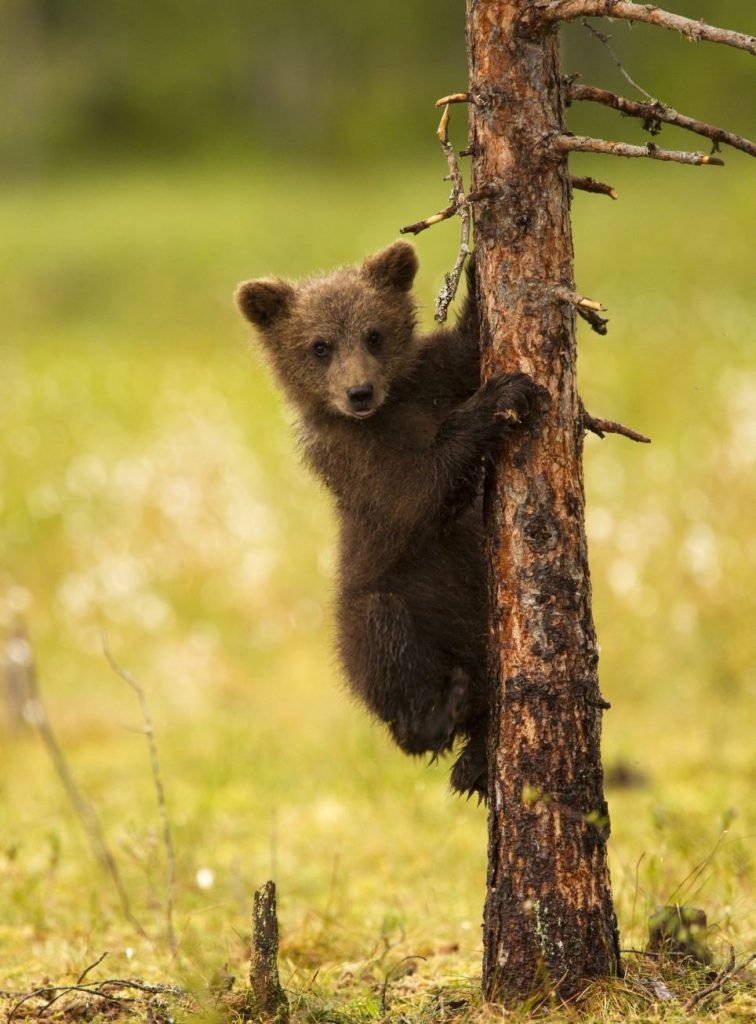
(267, 999)
(679, 931)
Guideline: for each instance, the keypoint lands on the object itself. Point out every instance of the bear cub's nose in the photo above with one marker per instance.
(360, 396)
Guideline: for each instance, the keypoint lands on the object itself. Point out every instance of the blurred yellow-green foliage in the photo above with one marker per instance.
(155, 154)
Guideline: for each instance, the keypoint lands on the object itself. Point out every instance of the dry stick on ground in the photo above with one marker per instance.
(549, 11)
(98, 989)
(585, 144)
(655, 113)
(591, 185)
(149, 733)
(95, 963)
(730, 969)
(84, 811)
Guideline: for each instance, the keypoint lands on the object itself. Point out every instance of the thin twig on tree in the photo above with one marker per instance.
(585, 144)
(549, 11)
(603, 427)
(460, 204)
(591, 185)
(655, 113)
(37, 714)
(604, 39)
(157, 778)
(451, 279)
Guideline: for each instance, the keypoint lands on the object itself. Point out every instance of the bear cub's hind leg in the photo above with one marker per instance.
(400, 674)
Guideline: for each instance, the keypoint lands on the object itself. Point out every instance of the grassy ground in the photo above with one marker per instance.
(150, 490)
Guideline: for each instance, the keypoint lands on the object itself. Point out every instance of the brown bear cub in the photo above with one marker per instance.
(398, 427)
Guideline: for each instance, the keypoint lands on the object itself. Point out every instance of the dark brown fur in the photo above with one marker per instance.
(397, 426)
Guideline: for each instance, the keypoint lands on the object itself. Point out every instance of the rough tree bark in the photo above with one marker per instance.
(549, 920)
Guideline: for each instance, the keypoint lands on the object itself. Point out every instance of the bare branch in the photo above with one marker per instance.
(655, 113)
(455, 97)
(585, 144)
(603, 427)
(149, 732)
(550, 11)
(591, 185)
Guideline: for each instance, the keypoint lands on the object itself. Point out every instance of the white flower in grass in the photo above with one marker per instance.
(205, 878)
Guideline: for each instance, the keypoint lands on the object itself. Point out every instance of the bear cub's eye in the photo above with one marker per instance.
(321, 348)
(374, 340)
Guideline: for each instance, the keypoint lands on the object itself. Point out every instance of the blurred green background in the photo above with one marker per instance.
(152, 155)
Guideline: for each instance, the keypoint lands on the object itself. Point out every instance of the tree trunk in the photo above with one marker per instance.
(549, 920)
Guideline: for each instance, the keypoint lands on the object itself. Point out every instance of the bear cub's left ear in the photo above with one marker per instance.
(264, 301)
(394, 267)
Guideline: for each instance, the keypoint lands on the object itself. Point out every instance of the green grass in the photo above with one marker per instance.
(150, 489)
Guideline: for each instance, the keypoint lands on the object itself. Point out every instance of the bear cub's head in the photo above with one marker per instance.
(339, 343)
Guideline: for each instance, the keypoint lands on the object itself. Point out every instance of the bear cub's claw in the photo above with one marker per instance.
(516, 397)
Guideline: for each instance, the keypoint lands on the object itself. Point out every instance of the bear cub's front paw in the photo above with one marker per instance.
(511, 399)
(517, 397)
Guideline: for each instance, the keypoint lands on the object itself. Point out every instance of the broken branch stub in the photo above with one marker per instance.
(267, 997)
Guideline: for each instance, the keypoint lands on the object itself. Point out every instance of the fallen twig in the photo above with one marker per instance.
(91, 967)
(51, 994)
(730, 969)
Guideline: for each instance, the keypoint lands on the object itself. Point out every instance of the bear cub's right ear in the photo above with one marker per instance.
(264, 301)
